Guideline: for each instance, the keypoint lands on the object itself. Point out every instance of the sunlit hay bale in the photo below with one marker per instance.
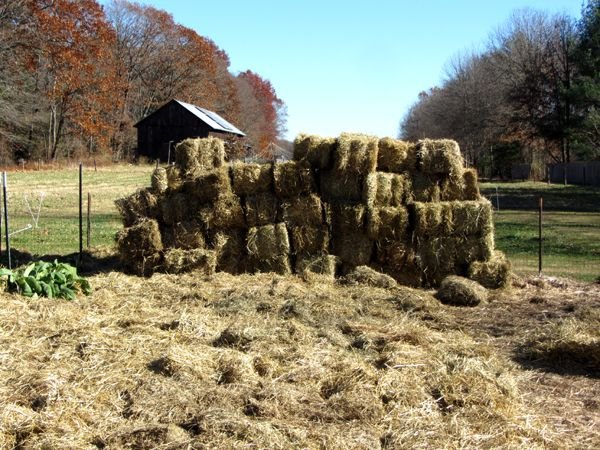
(174, 178)
(184, 235)
(348, 217)
(268, 241)
(178, 260)
(356, 153)
(140, 247)
(460, 291)
(341, 186)
(327, 265)
(384, 189)
(354, 248)
(141, 205)
(186, 156)
(398, 259)
(261, 209)
(159, 180)
(207, 186)
(472, 218)
(367, 275)
(194, 156)
(493, 273)
(308, 240)
(211, 153)
(317, 151)
(387, 222)
(394, 155)
(230, 249)
(249, 179)
(306, 210)
(433, 219)
(471, 185)
(424, 188)
(293, 178)
(439, 157)
(452, 189)
(436, 259)
(226, 212)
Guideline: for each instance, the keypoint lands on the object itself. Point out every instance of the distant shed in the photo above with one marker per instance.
(175, 121)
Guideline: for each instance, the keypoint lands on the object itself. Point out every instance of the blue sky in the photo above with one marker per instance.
(348, 65)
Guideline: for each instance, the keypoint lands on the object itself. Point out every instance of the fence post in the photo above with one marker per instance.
(540, 236)
(89, 223)
(80, 211)
(7, 234)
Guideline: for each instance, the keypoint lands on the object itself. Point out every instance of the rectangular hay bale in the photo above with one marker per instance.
(394, 155)
(316, 150)
(353, 248)
(278, 264)
(261, 209)
(178, 260)
(433, 219)
(305, 210)
(436, 258)
(185, 235)
(423, 188)
(397, 259)
(472, 217)
(250, 179)
(471, 185)
(268, 241)
(347, 216)
(178, 207)
(208, 186)
(327, 265)
(230, 249)
(387, 222)
(439, 157)
(194, 155)
(307, 240)
(385, 189)
(356, 153)
(140, 247)
(138, 206)
(293, 178)
(225, 212)
(340, 186)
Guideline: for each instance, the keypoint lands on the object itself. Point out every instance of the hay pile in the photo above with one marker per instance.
(411, 211)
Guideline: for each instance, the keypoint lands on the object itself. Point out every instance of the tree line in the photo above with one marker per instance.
(75, 77)
(533, 94)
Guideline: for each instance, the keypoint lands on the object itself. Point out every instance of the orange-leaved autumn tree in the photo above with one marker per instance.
(70, 42)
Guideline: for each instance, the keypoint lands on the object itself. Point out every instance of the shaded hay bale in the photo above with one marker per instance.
(140, 246)
(179, 261)
(493, 273)
(397, 259)
(471, 248)
(278, 264)
(194, 156)
(230, 250)
(356, 153)
(261, 209)
(211, 153)
(268, 241)
(178, 207)
(460, 291)
(317, 151)
(387, 222)
(472, 217)
(309, 241)
(292, 178)
(385, 189)
(394, 155)
(353, 248)
(174, 178)
(225, 212)
(208, 186)
(249, 179)
(471, 185)
(432, 219)
(346, 216)
(306, 210)
(424, 188)
(184, 235)
(159, 180)
(337, 185)
(327, 265)
(367, 275)
(186, 156)
(141, 205)
(439, 157)
(452, 189)
(436, 259)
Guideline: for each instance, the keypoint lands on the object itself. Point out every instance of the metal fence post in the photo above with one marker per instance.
(89, 222)
(540, 235)
(7, 234)
(80, 211)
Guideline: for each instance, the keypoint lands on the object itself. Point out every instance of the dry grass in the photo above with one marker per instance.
(252, 361)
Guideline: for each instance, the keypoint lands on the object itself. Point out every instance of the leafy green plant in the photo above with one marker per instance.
(41, 278)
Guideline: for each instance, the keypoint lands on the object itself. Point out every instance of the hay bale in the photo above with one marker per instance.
(385, 189)
(387, 222)
(433, 219)
(211, 153)
(293, 178)
(226, 212)
(250, 179)
(436, 259)
(439, 157)
(397, 259)
(140, 247)
(174, 178)
(230, 249)
(184, 235)
(460, 291)
(159, 180)
(306, 210)
(327, 265)
(268, 241)
(472, 218)
(370, 277)
(178, 207)
(141, 205)
(356, 154)
(209, 185)
(346, 216)
(353, 248)
(493, 273)
(186, 156)
(338, 186)
(315, 150)
(278, 264)
(194, 156)
(396, 156)
(471, 186)
(178, 260)
(452, 189)
(424, 188)
(309, 241)
(261, 209)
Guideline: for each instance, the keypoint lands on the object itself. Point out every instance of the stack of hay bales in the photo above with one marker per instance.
(410, 210)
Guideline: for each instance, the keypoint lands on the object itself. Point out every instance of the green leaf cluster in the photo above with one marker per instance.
(45, 279)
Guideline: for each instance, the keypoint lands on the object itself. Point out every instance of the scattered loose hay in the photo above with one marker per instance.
(439, 157)
(140, 246)
(250, 179)
(261, 209)
(387, 223)
(493, 273)
(293, 178)
(159, 180)
(178, 261)
(396, 156)
(356, 154)
(370, 277)
(138, 206)
(340, 186)
(385, 189)
(317, 151)
(460, 291)
(306, 210)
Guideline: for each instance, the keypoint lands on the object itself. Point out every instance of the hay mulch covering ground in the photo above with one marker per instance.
(267, 361)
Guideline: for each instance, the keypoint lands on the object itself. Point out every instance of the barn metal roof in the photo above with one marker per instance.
(211, 118)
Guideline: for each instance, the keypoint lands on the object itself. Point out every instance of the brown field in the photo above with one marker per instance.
(266, 361)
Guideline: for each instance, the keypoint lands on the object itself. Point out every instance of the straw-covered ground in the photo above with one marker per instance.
(271, 361)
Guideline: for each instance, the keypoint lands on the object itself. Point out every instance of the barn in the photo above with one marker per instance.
(158, 132)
